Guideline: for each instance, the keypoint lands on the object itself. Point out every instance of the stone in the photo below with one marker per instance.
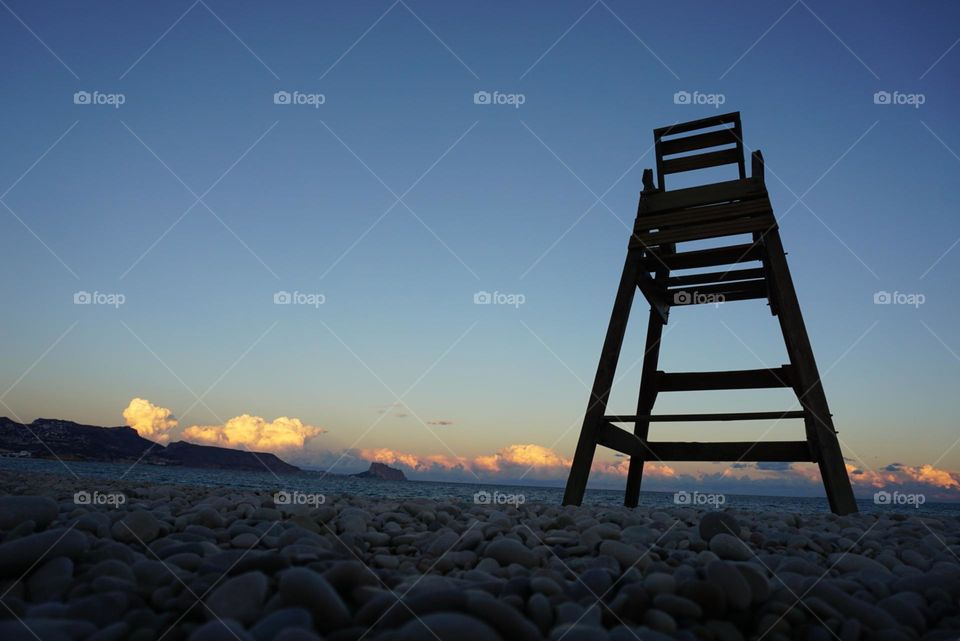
(729, 547)
(626, 555)
(139, 526)
(302, 587)
(730, 580)
(51, 580)
(447, 626)
(239, 598)
(271, 625)
(217, 630)
(677, 606)
(506, 551)
(18, 555)
(659, 582)
(714, 523)
(14, 510)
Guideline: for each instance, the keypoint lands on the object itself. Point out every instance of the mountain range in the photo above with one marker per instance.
(69, 441)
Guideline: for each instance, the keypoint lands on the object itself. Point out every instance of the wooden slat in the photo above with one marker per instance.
(701, 161)
(706, 278)
(702, 123)
(730, 255)
(698, 141)
(707, 213)
(737, 379)
(718, 293)
(723, 416)
(761, 222)
(778, 451)
(728, 190)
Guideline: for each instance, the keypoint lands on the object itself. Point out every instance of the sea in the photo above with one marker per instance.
(309, 483)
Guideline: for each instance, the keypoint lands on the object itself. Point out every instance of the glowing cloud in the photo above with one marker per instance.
(150, 421)
(254, 433)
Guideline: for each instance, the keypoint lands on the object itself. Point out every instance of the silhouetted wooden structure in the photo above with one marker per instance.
(747, 270)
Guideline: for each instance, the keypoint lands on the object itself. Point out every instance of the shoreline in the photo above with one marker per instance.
(199, 563)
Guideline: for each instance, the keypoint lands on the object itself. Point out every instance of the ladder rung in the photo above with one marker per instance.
(722, 416)
(736, 379)
(716, 277)
(779, 451)
(719, 293)
(730, 255)
(704, 231)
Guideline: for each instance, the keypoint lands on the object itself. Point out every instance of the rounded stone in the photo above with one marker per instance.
(307, 589)
(714, 523)
(729, 547)
(19, 555)
(506, 551)
(138, 526)
(728, 578)
(14, 510)
(239, 598)
(447, 626)
(659, 583)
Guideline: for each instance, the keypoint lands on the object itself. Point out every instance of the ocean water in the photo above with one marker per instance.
(318, 483)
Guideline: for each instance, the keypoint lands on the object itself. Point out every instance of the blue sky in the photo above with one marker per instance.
(399, 198)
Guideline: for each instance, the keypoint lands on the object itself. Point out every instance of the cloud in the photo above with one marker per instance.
(150, 421)
(440, 423)
(538, 463)
(254, 433)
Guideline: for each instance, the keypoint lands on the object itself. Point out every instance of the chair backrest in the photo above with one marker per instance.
(670, 144)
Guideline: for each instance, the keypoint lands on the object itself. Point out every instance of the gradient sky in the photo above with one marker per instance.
(533, 200)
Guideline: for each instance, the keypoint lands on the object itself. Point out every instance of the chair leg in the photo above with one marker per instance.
(603, 382)
(819, 424)
(647, 397)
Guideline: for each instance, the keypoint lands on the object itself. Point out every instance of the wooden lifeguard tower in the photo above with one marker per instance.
(736, 271)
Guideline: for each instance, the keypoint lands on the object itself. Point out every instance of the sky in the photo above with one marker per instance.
(174, 172)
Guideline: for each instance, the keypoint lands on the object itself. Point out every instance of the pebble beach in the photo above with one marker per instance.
(112, 561)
